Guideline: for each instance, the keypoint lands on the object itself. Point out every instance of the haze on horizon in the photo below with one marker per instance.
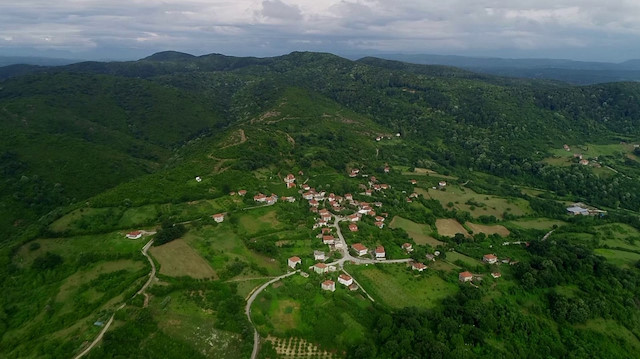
(129, 29)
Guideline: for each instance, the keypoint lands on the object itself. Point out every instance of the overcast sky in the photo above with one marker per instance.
(603, 30)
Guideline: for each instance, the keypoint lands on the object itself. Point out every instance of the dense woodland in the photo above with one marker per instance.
(97, 144)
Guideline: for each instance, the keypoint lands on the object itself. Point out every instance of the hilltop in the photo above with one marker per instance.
(453, 172)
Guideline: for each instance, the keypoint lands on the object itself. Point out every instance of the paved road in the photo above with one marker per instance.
(152, 276)
(247, 310)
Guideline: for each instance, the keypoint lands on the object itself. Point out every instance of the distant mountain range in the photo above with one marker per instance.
(575, 72)
(39, 61)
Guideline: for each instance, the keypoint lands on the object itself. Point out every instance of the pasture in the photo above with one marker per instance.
(420, 233)
(178, 259)
(450, 227)
(617, 257)
(465, 199)
(535, 223)
(468, 262)
(399, 287)
(488, 230)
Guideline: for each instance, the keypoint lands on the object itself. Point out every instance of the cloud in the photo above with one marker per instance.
(270, 27)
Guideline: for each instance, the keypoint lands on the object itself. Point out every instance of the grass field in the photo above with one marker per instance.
(285, 315)
(619, 235)
(398, 287)
(177, 259)
(450, 227)
(613, 330)
(423, 172)
(619, 258)
(468, 261)
(465, 199)
(488, 230)
(420, 233)
(259, 221)
(535, 223)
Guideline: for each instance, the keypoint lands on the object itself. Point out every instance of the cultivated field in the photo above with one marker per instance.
(284, 314)
(450, 227)
(465, 199)
(488, 230)
(469, 262)
(178, 259)
(298, 348)
(398, 287)
(536, 223)
(258, 221)
(418, 232)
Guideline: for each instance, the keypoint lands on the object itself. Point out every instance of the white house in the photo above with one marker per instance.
(360, 249)
(489, 258)
(329, 285)
(319, 255)
(380, 254)
(345, 280)
(418, 266)
(442, 184)
(218, 217)
(294, 261)
(465, 276)
(320, 268)
(134, 235)
(407, 247)
(496, 275)
(328, 239)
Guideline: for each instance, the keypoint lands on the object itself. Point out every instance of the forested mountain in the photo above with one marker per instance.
(93, 150)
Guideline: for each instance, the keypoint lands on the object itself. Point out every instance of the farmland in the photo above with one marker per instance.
(450, 227)
(488, 230)
(177, 259)
(465, 199)
(420, 233)
(620, 258)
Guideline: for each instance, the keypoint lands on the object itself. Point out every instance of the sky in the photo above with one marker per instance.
(131, 29)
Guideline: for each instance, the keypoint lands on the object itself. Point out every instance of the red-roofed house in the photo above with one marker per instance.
(353, 227)
(328, 240)
(320, 268)
(380, 254)
(379, 224)
(294, 261)
(418, 266)
(407, 247)
(368, 192)
(353, 218)
(413, 181)
(489, 258)
(465, 276)
(218, 217)
(329, 285)
(134, 235)
(242, 192)
(314, 203)
(360, 249)
(307, 195)
(290, 178)
(345, 280)
(326, 230)
(260, 198)
(496, 275)
(348, 197)
(379, 219)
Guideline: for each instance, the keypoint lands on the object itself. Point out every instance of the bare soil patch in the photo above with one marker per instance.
(450, 227)
(177, 259)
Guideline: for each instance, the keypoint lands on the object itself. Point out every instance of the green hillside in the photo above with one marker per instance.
(471, 165)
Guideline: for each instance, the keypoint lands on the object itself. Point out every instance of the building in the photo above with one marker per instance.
(289, 180)
(319, 256)
(442, 184)
(314, 203)
(218, 217)
(260, 198)
(329, 285)
(134, 234)
(320, 268)
(386, 169)
(584, 162)
(353, 227)
(496, 275)
(353, 218)
(465, 277)
(348, 197)
(413, 182)
(328, 239)
(345, 280)
(198, 179)
(379, 224)
(294, 261)
(407, 247)
(577, 210)
(380, 254)
(360, 249)
(418, 266)
(489, 258)
(242, 192)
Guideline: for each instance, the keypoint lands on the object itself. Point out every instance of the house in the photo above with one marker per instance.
(326, 230)
(380, 254)
(430, 257)
(360, 249)
(289, 179)
(314, 203)
(353, 227)
(325, 215)
(260, 198)
(353, 287)
(489, 258)
(271, 199)
(305, 187)
(348, 197)
(134, 235)
(413, 195)
(386, 169)
(373, 179)
(289, 199)
(368, 192)
(413, 182)
(308, 196)
(320, 268)
(328, 239)
(242, 192)
(198, 179)
(566, 147)
(496, 275)
(218, 217)
(379, 224)
(319, 256)
(576, 210)
(442, 184)
(385, 186)
(372, 213)
(465, 277)
(345, 280)
(294, 261)
(584, 162)
(320, 223)
(377, 204)
(418, 266)
(353, 217)
(329, 285)
(407, 247)
(379, 219)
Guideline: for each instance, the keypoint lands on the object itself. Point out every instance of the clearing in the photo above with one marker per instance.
(177, 259)
(619, 258)
(450, 227)
(284, 314)
(399, 287)
(536, 223)
(488, 230)
(420, 233)
(468, 262)
(465, 199)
